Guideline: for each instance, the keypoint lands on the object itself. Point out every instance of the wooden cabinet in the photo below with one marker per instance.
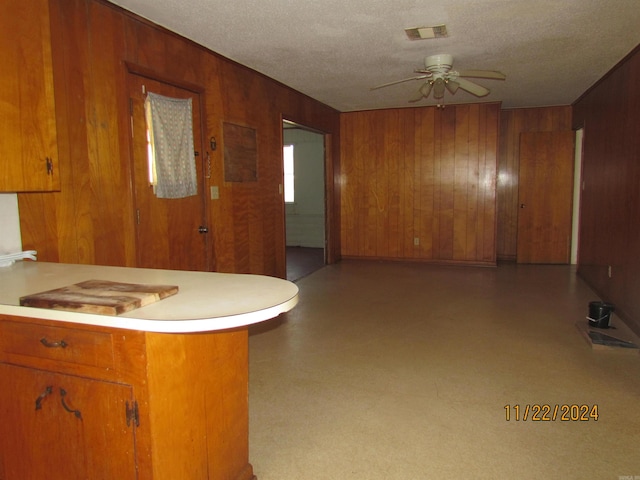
(81, 401)
(61, 419)
(28, 142)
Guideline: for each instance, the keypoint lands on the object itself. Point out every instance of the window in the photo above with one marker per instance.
(151, 154)
(151, 158)
(289, 195)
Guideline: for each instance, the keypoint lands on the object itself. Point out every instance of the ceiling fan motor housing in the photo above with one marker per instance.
(440, 63)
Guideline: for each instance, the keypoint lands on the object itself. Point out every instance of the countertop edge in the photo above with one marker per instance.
(206, 301)
(199, 325)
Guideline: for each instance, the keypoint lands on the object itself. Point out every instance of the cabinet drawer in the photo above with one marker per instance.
(68, 345)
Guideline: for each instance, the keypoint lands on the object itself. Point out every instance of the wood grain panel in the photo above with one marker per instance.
(609, 236)
(488, 182)
(91, 220)
(107, 146)
(446, 180)
(407, 191)
(423, 195)
(414, 174)
(209, 419)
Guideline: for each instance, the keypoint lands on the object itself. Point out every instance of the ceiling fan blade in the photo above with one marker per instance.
(452, 86)
(419, 77)
(473, 88)
(423, 91)
(483, 74)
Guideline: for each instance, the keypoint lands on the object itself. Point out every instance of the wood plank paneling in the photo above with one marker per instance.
(91, 220)
(610, 199)
(420, 174)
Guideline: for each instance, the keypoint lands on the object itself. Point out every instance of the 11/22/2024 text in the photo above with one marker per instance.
(551, 413)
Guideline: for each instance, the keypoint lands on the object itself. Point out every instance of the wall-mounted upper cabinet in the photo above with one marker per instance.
(28, 144)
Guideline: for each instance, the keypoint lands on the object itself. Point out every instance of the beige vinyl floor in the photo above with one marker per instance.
(407, 371)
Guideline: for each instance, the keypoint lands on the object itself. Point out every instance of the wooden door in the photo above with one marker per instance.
(545, 197)
(171, 233)
(62, 426)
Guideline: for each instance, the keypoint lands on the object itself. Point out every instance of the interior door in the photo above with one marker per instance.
(171, 233)
(545, 197)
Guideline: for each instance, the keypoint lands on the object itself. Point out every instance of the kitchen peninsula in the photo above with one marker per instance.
(159, 392)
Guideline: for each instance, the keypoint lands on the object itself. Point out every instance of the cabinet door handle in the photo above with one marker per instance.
(49, 166)
(42, 396)
(48, 344)
(63, 394)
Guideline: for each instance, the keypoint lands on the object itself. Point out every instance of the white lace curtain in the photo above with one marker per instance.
(170, 124)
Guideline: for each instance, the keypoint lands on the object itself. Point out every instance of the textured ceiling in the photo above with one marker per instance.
(551, 51)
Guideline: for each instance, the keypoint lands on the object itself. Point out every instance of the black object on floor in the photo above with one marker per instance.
(602, 339)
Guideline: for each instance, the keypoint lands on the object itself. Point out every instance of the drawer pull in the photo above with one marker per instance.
(42, 396)
(48, 344)
(77, 413)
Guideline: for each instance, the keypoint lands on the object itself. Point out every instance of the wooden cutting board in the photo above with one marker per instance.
(99, 296)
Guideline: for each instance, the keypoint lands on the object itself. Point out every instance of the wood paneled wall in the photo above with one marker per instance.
(420, 175)
(610, 203)
(512, 124)
(92, 219)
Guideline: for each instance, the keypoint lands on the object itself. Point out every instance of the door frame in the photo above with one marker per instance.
(577, 195)
(330, 254)
(199, 90)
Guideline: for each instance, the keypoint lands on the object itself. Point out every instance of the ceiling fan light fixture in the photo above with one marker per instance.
(425, 89)
(452, 86)
(438, 88)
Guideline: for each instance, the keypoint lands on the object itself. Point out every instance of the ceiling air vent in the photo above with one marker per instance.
(423, 33)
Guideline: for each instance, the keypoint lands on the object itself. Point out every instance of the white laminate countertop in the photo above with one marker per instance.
(205, 301)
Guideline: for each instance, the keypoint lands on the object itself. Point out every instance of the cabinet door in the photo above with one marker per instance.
(62, 426)
(28, 143)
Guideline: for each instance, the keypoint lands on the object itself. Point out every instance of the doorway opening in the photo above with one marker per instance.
(305, 199)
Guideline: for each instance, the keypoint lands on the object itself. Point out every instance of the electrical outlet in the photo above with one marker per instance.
(215, 193)
(416, 241)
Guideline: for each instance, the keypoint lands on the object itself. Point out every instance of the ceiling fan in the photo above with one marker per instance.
(438, 76)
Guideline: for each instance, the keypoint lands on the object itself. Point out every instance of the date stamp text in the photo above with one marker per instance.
(551, 413)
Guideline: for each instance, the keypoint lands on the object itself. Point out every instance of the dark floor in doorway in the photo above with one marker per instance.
(301, 261)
